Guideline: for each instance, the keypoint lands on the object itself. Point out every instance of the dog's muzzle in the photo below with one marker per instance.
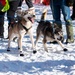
(31, 19)
(61, 39)
(34, 16)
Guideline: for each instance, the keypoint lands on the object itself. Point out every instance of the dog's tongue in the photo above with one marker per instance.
(31, 19)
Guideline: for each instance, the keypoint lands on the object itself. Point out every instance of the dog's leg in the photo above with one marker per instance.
(37, 37)
(8, 49)
(32, 41)
(59, 42)
(31, 37)
(9, 41)
(44, 43)
(20, 45)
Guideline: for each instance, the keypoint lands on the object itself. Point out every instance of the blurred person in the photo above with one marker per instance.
(73, 11)
(62, 5)
(29, 4)
(10, 15)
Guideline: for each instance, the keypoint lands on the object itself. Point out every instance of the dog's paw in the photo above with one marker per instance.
(18, 48)
(8, 50)
(65, 49)
(21, 54)
(34, 51)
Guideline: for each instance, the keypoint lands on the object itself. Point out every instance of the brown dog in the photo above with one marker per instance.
(50, 32)
(19, 29)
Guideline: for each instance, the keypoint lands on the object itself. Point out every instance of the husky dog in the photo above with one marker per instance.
(20, 28)
(50, 32)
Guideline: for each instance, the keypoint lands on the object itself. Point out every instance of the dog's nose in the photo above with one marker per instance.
(33, 15)
(61, 38)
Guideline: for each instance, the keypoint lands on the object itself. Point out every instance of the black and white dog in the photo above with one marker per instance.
(50, 32)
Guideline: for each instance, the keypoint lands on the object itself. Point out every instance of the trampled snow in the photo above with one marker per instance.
(55, 62)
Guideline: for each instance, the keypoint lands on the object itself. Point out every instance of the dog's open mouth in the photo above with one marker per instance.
(31, 19)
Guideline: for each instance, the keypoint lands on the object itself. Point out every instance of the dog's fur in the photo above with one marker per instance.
(49, 31)
(24, 25)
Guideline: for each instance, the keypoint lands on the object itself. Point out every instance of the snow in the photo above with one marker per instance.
(55, 62)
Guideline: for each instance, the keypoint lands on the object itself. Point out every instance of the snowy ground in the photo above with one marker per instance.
(55, 62)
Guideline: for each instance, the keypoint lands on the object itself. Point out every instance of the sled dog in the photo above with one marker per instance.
(20, 28)
(51, 32)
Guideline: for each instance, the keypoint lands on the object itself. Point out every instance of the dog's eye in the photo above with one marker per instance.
(25, 13)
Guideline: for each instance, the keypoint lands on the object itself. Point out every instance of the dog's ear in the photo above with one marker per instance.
(19, 13)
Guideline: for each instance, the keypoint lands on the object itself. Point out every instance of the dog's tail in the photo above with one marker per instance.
(44, 14)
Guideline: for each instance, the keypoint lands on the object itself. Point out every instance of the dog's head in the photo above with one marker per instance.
(58, 34)
(26, 15)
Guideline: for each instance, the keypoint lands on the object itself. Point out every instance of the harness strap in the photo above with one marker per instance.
(25, 28)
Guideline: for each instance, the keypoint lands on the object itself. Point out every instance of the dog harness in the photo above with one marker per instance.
(25, 28)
